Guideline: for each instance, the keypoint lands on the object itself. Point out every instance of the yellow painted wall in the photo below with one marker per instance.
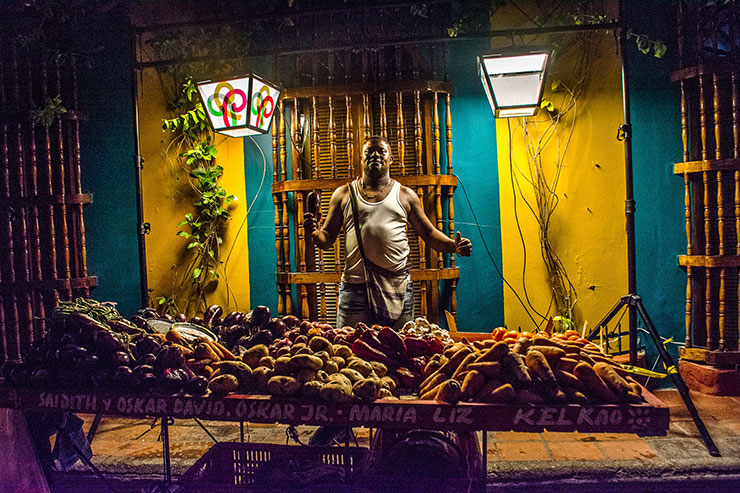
(166, 201)
(587, 229)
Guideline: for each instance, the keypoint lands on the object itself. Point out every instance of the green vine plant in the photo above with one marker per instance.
(51, 110)
(553, 129)
(203, 228)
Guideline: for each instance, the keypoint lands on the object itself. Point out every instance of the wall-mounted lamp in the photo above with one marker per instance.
(239, 106)
(514, 80)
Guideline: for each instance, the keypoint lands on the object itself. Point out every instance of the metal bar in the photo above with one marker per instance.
(505, 33)
(205, 429)
(629, 204)
(166, 421)
(142, 230)
(675, 374)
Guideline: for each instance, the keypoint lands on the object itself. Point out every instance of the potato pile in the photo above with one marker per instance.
(535, 369)
(318, 369)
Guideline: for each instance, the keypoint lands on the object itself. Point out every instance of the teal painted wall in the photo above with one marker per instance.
(107, 165)
(480, 288)
(659, 196)
(261, 222)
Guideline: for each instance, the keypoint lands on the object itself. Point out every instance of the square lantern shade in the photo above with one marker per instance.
(239, 106)
(514, 80)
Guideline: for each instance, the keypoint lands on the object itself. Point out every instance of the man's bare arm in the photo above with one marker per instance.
(428, 232)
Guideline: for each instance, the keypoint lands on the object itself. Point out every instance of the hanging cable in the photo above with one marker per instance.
(488, 252)
(249, 208)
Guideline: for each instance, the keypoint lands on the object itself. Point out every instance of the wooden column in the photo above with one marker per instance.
(400, 124)
(437, 188)
(687, 213)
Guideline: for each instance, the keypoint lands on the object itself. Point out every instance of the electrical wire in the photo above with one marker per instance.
(249, 208)
(488, 252)
(519, 229)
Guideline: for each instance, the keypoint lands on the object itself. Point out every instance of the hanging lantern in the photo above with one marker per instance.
(239, 106)
(514, 79)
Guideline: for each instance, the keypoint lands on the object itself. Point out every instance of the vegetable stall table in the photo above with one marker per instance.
(649, 418)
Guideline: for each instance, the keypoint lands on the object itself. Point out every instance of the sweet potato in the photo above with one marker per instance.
(635, 387)
(566, 379)
(431, 394)
(432, 366)
(552, 353)
(502, 394)
(225, 353)
(486, 389)
(546, 341)
(494, 353)
(490, 369)
(473, 382)
(521, 345)
(593, 385)
(438, 379)
(517, 368)
(616, 383)
(204, 351)
(567, 364)
(463, 365)
(449, 392)
(450, 365)
(537, 364)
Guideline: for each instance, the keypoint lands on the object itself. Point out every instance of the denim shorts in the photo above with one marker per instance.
(353, 307)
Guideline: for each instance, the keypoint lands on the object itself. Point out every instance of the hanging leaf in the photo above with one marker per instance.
(659, 49)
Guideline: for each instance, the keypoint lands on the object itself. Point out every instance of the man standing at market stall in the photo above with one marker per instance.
(375, 286)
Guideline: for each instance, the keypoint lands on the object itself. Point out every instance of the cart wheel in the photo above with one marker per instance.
(424, 454)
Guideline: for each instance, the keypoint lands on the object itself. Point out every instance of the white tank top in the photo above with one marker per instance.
(383, 234)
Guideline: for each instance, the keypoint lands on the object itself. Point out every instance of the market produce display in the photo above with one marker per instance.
(525, 368)
(90, 345)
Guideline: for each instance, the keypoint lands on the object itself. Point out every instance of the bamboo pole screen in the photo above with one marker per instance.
(709, 57)
(42, 230)
(325, 129)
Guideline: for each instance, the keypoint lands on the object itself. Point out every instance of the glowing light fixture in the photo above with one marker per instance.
(514, 80)
(239, 106)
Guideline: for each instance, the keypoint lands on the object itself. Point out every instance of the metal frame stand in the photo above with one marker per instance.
(633, 301)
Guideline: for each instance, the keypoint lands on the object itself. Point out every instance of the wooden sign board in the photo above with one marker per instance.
(650, 418)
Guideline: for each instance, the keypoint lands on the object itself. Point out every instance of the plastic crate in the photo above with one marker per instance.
(236, 466)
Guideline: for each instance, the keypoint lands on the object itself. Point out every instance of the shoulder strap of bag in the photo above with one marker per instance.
(356, 218)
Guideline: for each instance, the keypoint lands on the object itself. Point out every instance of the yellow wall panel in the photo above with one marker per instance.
(587, 229)
(167, 197)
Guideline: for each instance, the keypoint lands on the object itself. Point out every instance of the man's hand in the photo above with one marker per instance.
(309, 224)
(312, 216)
(463, 246)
